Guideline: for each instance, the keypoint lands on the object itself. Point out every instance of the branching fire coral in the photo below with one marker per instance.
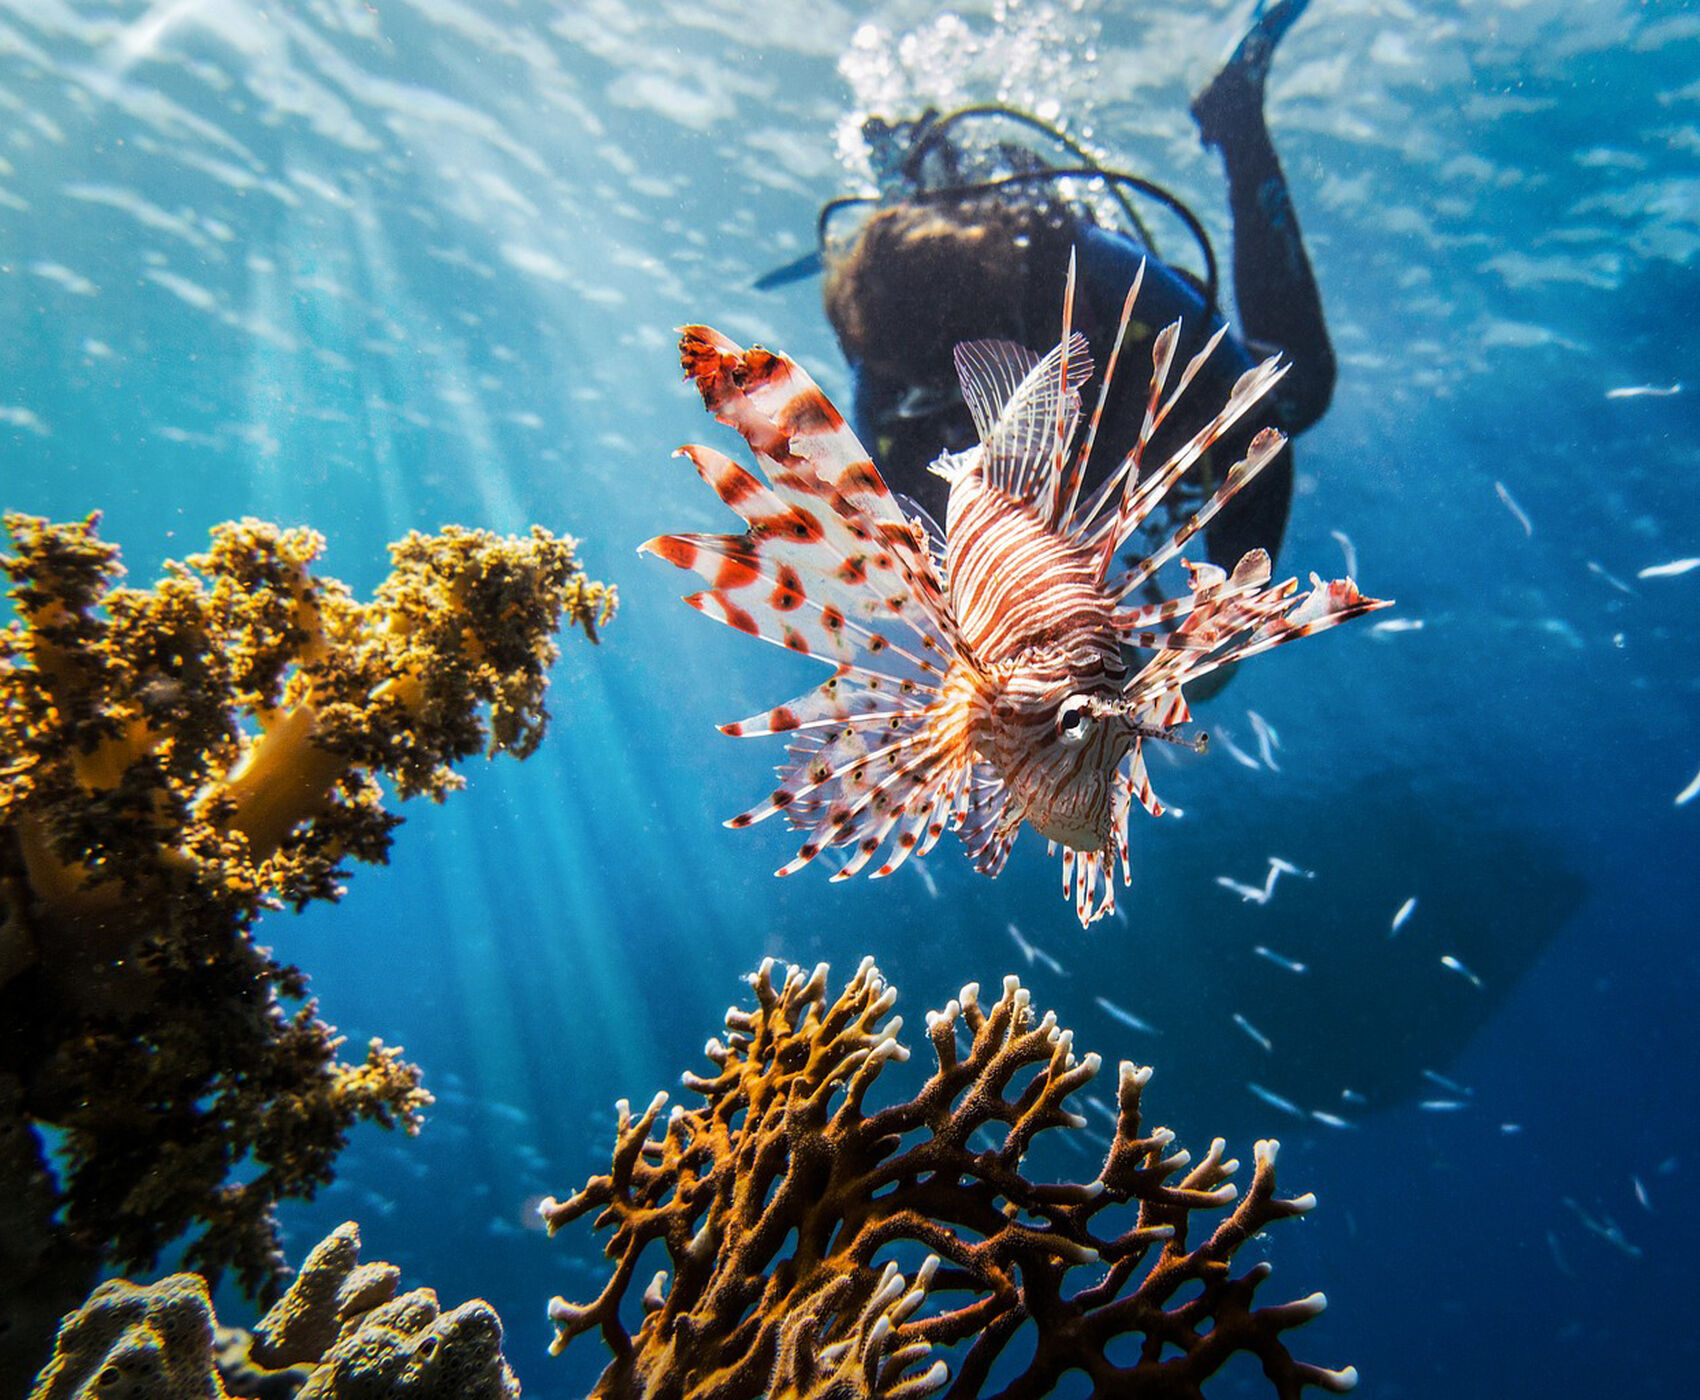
(789, 1215)
(173, 762)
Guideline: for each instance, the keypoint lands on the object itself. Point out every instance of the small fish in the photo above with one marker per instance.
(1606, 1228)
(1601, 572)
(1250, 894)
(1645, 391)
(1348, 550)
(1257, 1035)
(1274, 1100)
(1517, 510)
(1442, 1105)
(1510, 1129)
(927, 880)
(1267, 740)
(1033, 953)
(1126, 1017)
(1102, 1107)
(1353, 1097)
(1641, 1193)
(1404, 912)
(1673, 569)
(1329, 1120)
(1253, 894)
(1448, 961)
(1270, 955)
(1235, 752)
(1452, 1086)
(1388, 626)
(990, 687)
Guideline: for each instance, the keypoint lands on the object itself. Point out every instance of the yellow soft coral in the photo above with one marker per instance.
(173, 762)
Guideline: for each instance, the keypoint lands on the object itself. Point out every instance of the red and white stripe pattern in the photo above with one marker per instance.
(994, 686)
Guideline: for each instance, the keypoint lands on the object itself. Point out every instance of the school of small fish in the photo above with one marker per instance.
(1014, 676)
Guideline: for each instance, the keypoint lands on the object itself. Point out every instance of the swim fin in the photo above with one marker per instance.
(808, 265)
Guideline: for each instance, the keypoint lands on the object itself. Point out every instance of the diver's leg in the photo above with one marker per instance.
(1273, 283)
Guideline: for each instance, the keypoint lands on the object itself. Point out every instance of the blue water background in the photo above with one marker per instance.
(373, 267)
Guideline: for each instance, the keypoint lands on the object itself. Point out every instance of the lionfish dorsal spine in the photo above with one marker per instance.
(1066, 517)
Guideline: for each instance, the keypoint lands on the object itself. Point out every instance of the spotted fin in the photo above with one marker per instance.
(831, 566)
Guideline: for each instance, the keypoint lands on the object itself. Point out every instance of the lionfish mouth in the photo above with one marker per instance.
(1123, 716)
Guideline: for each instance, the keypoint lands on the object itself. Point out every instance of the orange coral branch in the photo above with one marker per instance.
(788, 1212)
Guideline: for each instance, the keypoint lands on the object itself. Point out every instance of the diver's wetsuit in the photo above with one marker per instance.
(1107, 262)
(937, 272)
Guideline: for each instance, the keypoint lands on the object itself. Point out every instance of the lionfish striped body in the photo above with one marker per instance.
(992, 686)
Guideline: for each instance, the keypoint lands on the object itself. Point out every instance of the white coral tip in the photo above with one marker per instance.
(938, 1373)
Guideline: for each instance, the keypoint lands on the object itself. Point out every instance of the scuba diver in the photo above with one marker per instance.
(970, 239)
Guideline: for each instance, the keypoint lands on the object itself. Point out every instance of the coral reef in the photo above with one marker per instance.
(130, 1342)
(175, 761)
(340, 1333)
(818, 1248)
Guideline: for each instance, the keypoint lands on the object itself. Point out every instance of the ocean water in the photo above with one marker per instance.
(382, 266)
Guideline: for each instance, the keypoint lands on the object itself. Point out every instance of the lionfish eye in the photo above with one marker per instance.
(1072, 719)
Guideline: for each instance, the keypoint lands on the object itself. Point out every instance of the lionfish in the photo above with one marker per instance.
(994, 681)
